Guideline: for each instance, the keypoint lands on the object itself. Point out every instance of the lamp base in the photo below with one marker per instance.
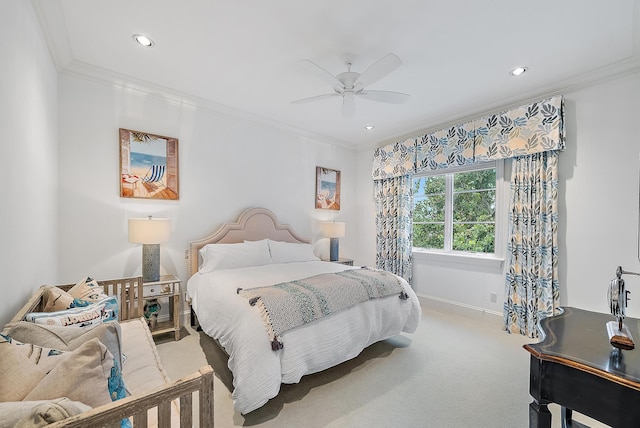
(333, 249)
(150, 262)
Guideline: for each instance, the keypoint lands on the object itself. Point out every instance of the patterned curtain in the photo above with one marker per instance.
(531, 289)
(446, 148)
(394, 226)
(532, 128)
(394, 160)
(533, 135)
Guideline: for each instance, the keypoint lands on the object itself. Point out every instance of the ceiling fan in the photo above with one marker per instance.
(350, 84)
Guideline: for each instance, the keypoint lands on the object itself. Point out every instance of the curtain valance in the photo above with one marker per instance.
(394, 160)
(529, 129)
(445, 148)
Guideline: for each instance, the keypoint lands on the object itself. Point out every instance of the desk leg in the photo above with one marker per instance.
(539, 415)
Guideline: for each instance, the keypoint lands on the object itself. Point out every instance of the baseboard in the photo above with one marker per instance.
(448, 306)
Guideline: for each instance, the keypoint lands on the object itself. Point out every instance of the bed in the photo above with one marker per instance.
(219, 276)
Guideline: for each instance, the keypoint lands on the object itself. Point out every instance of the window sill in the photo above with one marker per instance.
(468, 259)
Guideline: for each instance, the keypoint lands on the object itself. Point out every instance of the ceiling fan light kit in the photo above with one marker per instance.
(351, 84)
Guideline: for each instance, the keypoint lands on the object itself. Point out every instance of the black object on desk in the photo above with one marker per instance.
(576, 367)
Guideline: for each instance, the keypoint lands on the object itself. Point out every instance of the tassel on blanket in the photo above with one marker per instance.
(403, 295)
(276, 345)
(253, 300)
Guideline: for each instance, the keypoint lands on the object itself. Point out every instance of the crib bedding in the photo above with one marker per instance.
(258, 370)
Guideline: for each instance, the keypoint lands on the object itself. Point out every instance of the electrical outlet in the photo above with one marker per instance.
(493, 297)
(186, 254)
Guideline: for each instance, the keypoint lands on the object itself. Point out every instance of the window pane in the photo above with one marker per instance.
(428, 208)
(475, 180)
(473, 237)
(467, 214)
(428, 236)
(474, 206)
(423, 186)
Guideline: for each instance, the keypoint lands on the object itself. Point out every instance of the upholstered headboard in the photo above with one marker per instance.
(253, 224)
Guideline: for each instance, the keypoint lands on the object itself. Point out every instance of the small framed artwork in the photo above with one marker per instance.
(327, 188)
(148, 166)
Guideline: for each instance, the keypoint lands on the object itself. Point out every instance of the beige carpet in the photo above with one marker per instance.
(457, 371)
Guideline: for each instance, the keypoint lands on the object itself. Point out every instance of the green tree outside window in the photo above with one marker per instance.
(462, 204)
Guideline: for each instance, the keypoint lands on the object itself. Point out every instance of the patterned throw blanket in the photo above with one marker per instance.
(291, 304)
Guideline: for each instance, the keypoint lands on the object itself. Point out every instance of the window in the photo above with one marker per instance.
(456, 211)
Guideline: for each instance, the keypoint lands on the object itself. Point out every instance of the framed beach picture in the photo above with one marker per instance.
(148, 166)
(327, 188)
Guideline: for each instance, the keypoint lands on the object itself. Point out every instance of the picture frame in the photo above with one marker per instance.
(148, 166)
(327, 189)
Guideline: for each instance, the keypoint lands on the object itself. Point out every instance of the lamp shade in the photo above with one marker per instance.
(149, 230)
(334, 229)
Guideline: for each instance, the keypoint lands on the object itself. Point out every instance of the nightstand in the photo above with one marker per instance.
(165, 289)
(341, 260)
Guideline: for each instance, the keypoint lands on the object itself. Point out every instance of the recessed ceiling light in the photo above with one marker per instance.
(369, 127)
(518, 71)
(143, 40)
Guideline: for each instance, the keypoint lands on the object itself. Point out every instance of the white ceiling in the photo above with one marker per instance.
(242, 57)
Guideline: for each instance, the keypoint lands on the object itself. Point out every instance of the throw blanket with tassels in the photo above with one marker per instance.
(291, 304)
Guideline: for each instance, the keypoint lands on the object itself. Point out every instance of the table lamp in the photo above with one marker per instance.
(150, 232)
(333, 230)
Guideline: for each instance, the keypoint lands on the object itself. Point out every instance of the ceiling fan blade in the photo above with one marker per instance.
(316, 98)
(384, 96)
(348, 105)
(323, 74)
(378, 70)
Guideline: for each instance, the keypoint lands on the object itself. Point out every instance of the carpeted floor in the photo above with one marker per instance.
(455, 371)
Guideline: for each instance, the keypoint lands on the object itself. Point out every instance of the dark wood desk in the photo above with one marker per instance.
(576, 367)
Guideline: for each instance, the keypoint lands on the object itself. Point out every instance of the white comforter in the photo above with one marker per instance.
(257, 370)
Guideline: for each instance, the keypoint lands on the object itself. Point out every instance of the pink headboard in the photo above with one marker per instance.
(253, 224)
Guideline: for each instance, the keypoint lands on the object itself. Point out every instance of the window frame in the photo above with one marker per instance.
(448, 255)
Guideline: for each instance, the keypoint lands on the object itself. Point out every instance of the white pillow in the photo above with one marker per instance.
(233, 256)
(287, 252)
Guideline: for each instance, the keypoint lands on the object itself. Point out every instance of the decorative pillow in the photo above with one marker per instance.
(67, 339)
(21, 414)
(287, 252)
(95, 313)
(22, 367)
(57, 299)
(88, 374)
(233, 256)
(88, 290)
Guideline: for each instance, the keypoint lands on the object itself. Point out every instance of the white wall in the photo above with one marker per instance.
(598, 224)
(599, 176)
(28, 163)
(226, 165)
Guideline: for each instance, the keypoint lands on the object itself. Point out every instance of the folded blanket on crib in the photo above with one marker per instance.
(291, 304)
